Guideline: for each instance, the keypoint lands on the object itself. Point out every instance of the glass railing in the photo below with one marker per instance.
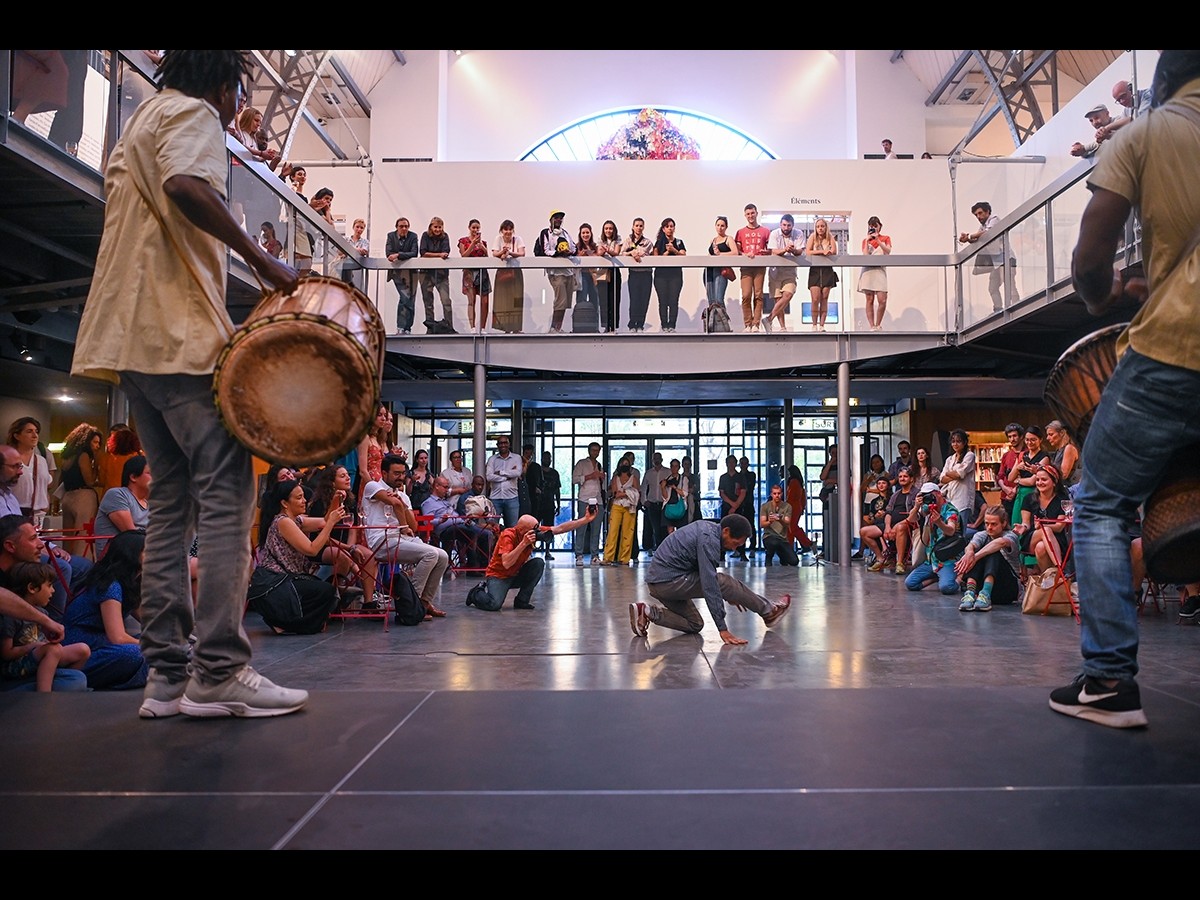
(62, 97)
(77, 101)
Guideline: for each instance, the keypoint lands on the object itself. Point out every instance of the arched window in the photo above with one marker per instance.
(582, 139)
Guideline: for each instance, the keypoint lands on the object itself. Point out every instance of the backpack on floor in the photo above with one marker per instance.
(409, 608)
(585, 318)
(716, 319)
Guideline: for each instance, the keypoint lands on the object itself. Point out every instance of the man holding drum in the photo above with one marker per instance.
(155, 318)
(1152, 391)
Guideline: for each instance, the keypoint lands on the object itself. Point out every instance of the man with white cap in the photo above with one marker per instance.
(937, 518)
(554, 241)
(1099, 118)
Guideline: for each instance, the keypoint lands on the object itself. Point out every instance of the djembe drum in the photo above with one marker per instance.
(298, 381)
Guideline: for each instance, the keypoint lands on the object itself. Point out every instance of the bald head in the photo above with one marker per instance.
(11, 457)
(525, 524)
(1122, 92)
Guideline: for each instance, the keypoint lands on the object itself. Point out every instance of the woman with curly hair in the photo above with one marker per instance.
(122, 444)
(80, 477)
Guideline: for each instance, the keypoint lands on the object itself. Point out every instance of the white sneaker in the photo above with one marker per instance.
(597, 561)
(160, 699)
(247, 694)
(579, 562)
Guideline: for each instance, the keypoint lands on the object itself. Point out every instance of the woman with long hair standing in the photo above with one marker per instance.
(958, 476)
(80, 478)
(475, 282)
(924, 470)
(821, 279)
(508, 308)
(872, 282)
(585, 245)
(797, 498)
(609, 285)
(715, 281)
(668, 282)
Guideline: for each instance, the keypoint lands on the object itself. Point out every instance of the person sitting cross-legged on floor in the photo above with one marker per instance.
(513, 564)
(935, 517)
(990, 567)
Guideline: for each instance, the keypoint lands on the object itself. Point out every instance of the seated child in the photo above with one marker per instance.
(24, 652)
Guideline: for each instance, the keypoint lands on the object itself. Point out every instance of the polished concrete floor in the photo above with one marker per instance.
(870, 717)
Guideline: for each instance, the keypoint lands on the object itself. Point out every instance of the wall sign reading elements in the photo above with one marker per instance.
(802, 201)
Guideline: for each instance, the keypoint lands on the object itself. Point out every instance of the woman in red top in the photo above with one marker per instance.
(475, 282)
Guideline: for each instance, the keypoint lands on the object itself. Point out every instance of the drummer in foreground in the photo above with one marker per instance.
(155, 318)
(1152, 391)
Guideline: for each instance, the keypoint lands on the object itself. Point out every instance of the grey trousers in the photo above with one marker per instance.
(680, 613)
(430, 563)
(204, 484)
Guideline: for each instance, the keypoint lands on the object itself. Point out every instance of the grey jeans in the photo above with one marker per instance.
(203, 484)
(680, 613)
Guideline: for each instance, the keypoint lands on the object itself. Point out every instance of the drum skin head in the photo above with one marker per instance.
(295, 392)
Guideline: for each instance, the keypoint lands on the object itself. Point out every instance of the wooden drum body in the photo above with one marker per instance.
(1171, 526)
(298, 381)
(1077, 380)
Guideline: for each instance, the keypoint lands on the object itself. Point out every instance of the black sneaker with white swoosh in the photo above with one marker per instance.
(1119, 706)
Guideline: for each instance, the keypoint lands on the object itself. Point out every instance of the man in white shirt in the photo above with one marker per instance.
(588, 478)
(989, 262)
(392, 540)
(503, 471)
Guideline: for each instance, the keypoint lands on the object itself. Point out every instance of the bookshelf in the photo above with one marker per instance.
(989, 448)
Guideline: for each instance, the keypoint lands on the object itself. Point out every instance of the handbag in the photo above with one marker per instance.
(675, 509)
(1047, 595)
(297, 604)
(949, 547)
(727, 272)
(481, 598)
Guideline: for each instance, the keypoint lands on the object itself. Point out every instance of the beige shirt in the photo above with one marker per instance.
(1152, 164)
(148, 310)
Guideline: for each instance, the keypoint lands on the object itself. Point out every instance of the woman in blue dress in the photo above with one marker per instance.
(110, 592)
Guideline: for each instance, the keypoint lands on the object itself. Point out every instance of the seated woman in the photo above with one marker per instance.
(111, 592)
(126, 508)
(344, 551)
(1044, 503)
(287, 557)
